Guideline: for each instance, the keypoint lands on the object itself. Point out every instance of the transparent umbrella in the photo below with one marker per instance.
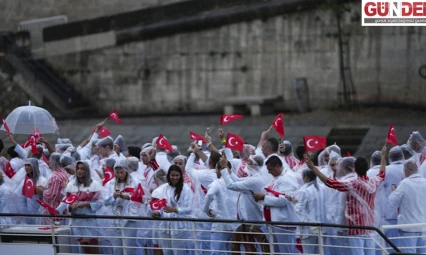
(26, 119)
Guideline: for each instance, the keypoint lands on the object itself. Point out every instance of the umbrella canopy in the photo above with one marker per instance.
(26, 119)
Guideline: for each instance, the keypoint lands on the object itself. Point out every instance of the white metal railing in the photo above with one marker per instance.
(134, 235)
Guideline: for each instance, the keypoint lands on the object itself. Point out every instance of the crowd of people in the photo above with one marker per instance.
(269, 182)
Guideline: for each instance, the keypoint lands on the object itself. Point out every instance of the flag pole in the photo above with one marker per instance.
(105, 120)
(270, 128)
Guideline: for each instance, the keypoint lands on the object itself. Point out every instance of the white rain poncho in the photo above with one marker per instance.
(221, 202)
(6, 194)
(23, 204)
(123, 207)
(148, 171)
(133, 165)
(289, 157)
(89, 191)
(184, 205)
(324, 156)
(417, 144)
(336, 200)
(333, 156)
(360, 194)
(310, 205)
(386, 212)
(247, 207)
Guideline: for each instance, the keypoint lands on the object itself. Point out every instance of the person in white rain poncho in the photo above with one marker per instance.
(149, 236)
(268, 147)
(219, 203)
(309, 203)
(360, 194)
(324, 157)
(90, 193)
(118, 192)
(409, 198)
(201, 178)
(106, 146)
(277, 207)
(286, 150)
(6, 190)
(23, 204)
(417, 144)
(179, 204)
(148, 171)
(160, 155)
(52, 194)
(247, 208)
(133, 164)
(394, 175)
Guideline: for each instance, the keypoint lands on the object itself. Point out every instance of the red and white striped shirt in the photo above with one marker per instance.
(52, 194)
(360, 195)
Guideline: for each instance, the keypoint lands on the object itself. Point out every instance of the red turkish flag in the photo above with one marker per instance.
(234, 142)
(28, 189)
(108, 175)
(226, 118)
(278, 124)
(128, 190)
(275, 193)
(138, 194)
(6, 127)
(158, 204)
(48, 207)
(9, 170)
(32, 141)
(196, 137)
(104, 132)
(314, 143)
(70, 199)
(114, 116)
(162, 142)
(392, 136)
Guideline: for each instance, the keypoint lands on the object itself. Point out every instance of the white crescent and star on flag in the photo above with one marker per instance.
(309, 141)
(29, 183)
(226, 119)
(161, 141)
(230, 141)
(276, 121)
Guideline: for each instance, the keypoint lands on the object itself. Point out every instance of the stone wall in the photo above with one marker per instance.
(15, 11)
(190, 71)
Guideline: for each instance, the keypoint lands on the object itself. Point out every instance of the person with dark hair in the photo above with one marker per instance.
(247, 208)
(267, 147)
(133, 151)
(179, 205)
(360, 194)
(90, 201)
(14, 160)
(279, 208)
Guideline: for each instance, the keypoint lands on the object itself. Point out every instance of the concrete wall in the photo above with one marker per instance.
(15, 11)
(190, 71)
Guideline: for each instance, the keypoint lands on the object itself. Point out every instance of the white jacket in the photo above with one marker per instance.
(281, 208)
(247, 208)
(409, 197)
(221, 202)
(184, 206)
